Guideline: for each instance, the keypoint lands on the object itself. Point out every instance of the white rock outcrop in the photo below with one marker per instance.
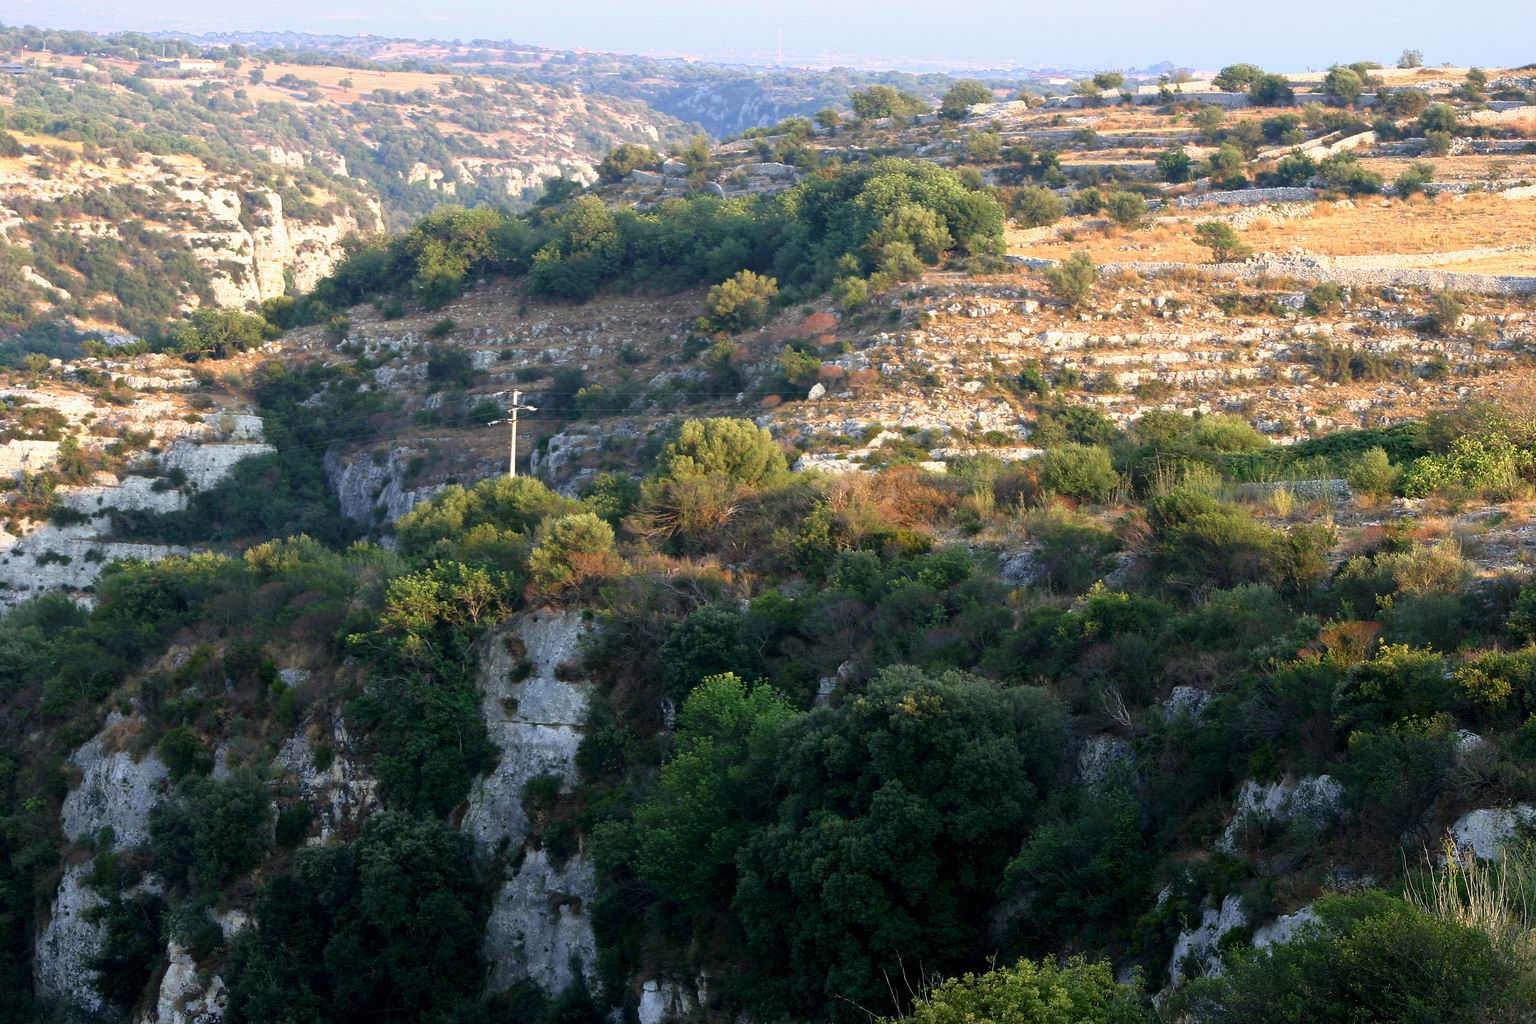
(364, 484)
(186, 996)
(115, 791)
(1197, 953)
(1484, 832)
(664, 1002)
(65, 946)
(343, 792)
(1284, 928)
(540, 921)
(1315, 799)
(1098, 756)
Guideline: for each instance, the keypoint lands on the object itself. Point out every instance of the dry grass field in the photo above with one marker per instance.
(1371, 226)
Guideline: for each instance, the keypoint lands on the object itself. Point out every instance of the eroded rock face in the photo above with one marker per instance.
(115, 792)
(540, 921)
(343, 793)
(1284, 928)
(662, 1002)
(185, 997)
(1315, 799)
(540, 924)
(68, 941)
(1198, 953)
(1098, 756)
(64, 556)
(365, 485)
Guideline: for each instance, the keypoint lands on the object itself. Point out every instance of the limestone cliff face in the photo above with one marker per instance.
(168, 448)
(256, 250)
(115, 793)
(251, 246)
(375, 491)
(540, 923)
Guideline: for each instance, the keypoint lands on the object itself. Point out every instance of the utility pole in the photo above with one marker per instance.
(517, 407)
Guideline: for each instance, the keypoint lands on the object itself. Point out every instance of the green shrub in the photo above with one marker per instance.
(1175, 164)
(902, 809)
(1268, 90)
(1373, 474)
(737, 450)
(183, 753)
(1295, 169)
(569, 550)
(1127, 209)
(1400, 769)
(1522, 617)
(627, 157)
(711, 791)
(1325, 298)
(387, 925)
(1344, 172)
(739, 302)
(1375, 959)
(1493, 466)
(1032, 993)
(1445, 313)
(1035, 207)
(1224, 243)
(1085, 879)
(216, 833)
(1070, 547)
(1072, 280)
(1078, 471)
(1419, 174)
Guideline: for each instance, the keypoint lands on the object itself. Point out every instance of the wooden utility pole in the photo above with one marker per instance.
(516, 407)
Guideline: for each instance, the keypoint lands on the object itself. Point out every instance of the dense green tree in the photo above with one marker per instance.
(962, 96)
(713, 790)
(885, 101)
(219, 333)
(1237, 77)
(1175, 164)
(1270, 90)
(1222, 240)
(1343, 85)
(388, 925)
(626, 157)
(898, 812)
(738, 450)
(1088, 876)
(1036, 207)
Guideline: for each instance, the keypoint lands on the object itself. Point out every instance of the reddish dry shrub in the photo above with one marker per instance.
(818, 324)
(905, 497)
(863, 379)
(1350, 640)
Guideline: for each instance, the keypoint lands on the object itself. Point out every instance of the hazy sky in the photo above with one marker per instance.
(1080, 33)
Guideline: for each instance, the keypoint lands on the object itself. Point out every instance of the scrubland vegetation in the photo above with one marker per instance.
(891, 743)
(804, 851)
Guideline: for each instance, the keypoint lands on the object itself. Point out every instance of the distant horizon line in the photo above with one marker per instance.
(767, 60)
